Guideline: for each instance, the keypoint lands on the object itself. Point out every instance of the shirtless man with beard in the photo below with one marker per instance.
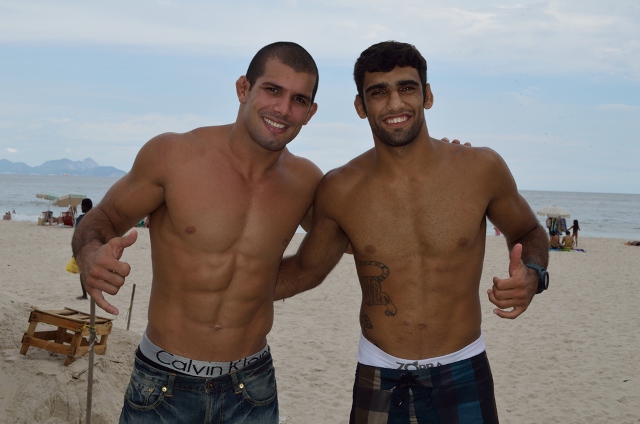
(414, 211)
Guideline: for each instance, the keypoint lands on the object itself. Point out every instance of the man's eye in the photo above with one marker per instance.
(377, 93)
(408, 89)
(300, 100)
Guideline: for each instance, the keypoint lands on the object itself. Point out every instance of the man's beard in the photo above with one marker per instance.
(400, 137)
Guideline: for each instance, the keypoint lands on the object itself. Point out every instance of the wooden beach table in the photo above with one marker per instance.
(71, 338)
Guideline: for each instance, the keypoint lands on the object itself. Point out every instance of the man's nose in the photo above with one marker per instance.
(283, 106)
(395, 101)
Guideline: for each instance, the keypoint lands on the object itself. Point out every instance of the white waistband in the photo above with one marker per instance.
(370, 354)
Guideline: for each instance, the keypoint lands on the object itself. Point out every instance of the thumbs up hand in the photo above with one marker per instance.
(513, 295)
(102, 271)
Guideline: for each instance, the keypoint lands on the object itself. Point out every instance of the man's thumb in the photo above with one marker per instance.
(130, 238)
(515, 258)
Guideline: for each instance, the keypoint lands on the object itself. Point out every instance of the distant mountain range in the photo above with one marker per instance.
(87, 167)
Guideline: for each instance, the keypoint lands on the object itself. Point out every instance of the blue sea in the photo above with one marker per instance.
(600, 214)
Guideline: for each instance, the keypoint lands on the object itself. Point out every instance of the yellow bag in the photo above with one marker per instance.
(72, 266)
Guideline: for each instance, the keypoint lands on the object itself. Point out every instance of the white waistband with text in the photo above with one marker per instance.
(370, 354)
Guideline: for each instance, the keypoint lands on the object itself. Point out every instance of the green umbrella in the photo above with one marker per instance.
(47, 195)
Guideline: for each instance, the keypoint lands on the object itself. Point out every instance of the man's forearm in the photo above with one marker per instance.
(95, 229)
(535, 246)
(291, 280)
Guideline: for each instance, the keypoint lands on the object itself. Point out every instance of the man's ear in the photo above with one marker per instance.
(359, 107)
(242, 87)
(312, 111)
(428, 97)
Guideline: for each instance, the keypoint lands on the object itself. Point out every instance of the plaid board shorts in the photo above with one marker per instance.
(461, 392)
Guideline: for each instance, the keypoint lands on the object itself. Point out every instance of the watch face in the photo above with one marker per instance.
(545, 278)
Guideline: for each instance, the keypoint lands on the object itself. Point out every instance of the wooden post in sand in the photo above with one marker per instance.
(133, 292)
(92, 339)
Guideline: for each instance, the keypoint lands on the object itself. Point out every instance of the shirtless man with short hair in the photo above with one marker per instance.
(418, 250)
(224, 202)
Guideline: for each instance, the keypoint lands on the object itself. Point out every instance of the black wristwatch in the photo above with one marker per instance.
(543, 277)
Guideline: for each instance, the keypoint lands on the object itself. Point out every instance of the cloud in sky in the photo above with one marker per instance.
(541, 36)
(618, 107)
(551, 85)
(11, 150)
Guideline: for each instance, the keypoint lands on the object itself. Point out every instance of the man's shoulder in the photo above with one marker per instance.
(173, 144)
(353, 170)
(197, 134)
(301, 167)
(467, 153)
(347, 178)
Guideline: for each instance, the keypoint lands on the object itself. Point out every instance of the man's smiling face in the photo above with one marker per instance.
(278, 105)
(395, 105)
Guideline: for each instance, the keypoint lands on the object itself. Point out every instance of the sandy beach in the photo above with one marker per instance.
(573, 357)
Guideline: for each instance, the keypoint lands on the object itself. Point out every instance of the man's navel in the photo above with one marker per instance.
(370, 249)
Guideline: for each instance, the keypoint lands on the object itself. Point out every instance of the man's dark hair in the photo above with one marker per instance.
(385, 56)
(291, 54)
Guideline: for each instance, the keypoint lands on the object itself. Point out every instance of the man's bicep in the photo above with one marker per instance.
(139, 192)
(508, 210)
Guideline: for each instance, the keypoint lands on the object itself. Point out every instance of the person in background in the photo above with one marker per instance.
(554, 240)
(85, 206)
(575, 227)
(567, 241)
(7, 216)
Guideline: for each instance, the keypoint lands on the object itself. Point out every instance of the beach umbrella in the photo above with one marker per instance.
(70, 199)
(554, 212)
(47, 195)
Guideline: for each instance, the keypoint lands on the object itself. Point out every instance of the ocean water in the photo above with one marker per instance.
(18, 192)
(599, 214)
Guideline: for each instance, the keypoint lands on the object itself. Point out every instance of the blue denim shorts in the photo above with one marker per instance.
(156, 396)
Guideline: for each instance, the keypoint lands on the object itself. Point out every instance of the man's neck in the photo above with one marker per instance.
(405, 158)
(250, 159)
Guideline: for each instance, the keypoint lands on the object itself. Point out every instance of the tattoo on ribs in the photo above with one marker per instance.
(365, 321)
(365, 324)
(372, 288)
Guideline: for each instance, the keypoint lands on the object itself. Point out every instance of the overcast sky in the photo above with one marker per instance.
(553, 86)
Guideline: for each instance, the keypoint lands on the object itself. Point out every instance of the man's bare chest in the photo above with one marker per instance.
(430, 219)
(218, 212)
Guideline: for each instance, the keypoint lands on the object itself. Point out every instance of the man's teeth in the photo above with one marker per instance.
(397, 120)
(274, 124)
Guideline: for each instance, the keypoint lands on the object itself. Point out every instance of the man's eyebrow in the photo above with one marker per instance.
(407, 82)
(279, 87)
(401, 83)
(377, 87)
(271, 84)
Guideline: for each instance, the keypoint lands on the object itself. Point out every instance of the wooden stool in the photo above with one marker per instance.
(73, 329)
